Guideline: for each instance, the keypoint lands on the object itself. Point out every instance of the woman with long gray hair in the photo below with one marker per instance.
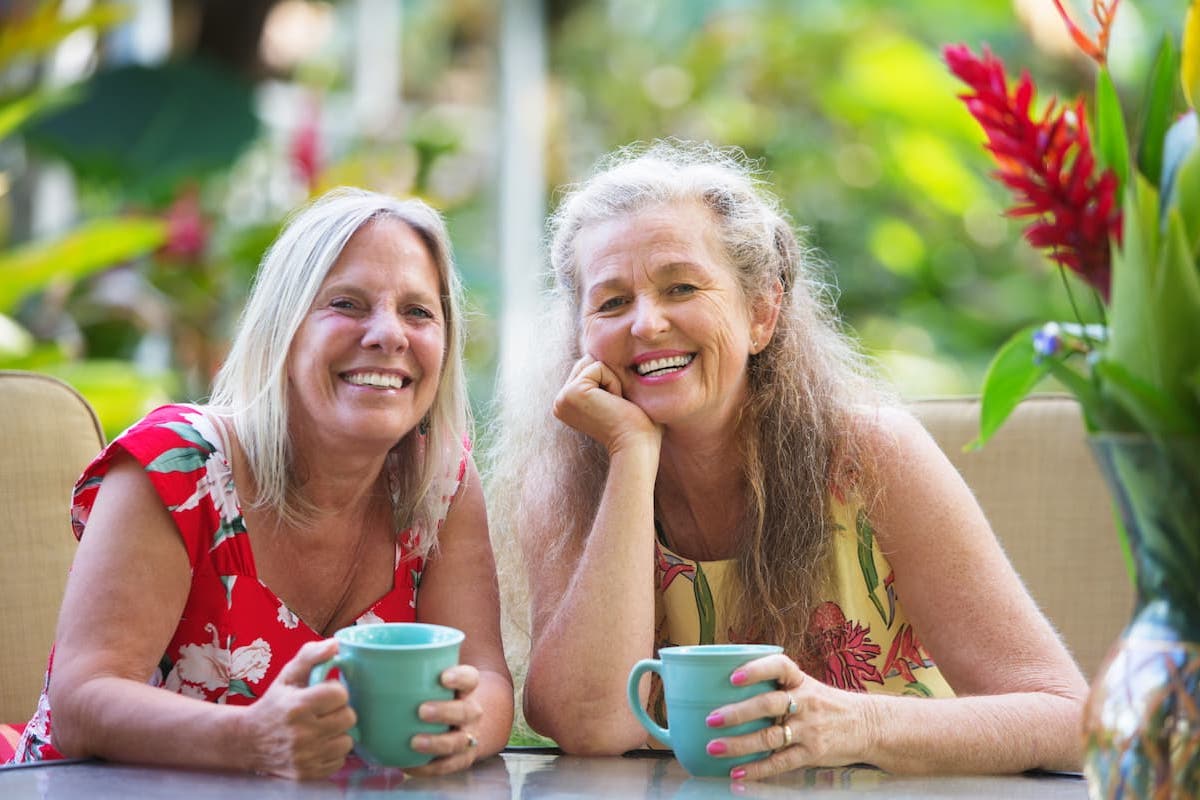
(721, 466)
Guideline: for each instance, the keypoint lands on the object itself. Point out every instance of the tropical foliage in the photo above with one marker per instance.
(1139, 368)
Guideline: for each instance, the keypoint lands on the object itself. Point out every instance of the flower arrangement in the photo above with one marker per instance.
(1125, 219)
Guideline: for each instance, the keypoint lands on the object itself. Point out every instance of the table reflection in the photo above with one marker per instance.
(516, 776)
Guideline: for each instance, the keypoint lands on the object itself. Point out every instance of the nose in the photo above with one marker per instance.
(648, 318)
(384, 331)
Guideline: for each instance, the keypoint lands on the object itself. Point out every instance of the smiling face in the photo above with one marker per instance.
(364, 365)
(659, 305)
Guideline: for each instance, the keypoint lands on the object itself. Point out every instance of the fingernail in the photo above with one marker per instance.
(738, 677)
(737, 773)
(420, 742)
(716, 748)
(715, 719)
(426, 713)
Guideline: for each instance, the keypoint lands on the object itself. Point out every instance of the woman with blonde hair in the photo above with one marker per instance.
(330, 476)
(721, 465)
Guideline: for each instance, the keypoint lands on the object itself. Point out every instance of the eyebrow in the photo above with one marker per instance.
(664, 271)
(352, 287)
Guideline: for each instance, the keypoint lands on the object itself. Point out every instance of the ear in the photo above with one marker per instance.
(764, 314)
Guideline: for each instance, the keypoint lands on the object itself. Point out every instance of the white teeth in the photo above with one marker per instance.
(376, 380)
(664, 364)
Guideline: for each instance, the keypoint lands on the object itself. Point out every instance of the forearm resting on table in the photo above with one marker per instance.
(495, 695)
(974, 735)
(122, 720)
(594, 618)
(580, 660)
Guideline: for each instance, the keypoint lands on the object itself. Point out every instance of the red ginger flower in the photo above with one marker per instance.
(1049, 166)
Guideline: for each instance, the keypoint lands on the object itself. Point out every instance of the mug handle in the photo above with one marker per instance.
(635, 702)
(320, 672)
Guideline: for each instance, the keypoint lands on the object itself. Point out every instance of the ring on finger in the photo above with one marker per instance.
(787, 736)
(792, 707)
(472, 742)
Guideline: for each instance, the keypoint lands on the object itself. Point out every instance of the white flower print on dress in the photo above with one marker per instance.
(217, 483)
(287, 618)
(214, 668)
(369, 618)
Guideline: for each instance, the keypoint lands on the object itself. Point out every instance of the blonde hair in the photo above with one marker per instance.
(251, 386)
(797, 429)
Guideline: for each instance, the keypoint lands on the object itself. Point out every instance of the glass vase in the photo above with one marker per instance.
(1141, 723)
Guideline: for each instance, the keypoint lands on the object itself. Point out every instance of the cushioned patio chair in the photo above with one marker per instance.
(1043, 494)
(49, 434)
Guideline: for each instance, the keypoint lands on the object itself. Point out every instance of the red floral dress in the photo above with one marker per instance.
(235, 633)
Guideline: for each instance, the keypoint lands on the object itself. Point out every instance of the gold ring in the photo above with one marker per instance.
(472, 741)
(787, 736)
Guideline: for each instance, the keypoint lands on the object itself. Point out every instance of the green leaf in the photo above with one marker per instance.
(1133, 268)
(93, 246)
(866, 560)
(239, 686)
(705, 608)
(188, 434)
(1095, 416)
(1185, 196)
(1111, 140)
(1158, 111)
(177, 459)
(1152, 409)
(1174, 351)
(148, 129)
(1012, 374)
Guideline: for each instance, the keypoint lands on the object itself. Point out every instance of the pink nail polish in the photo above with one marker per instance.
(738, 677)
(737, 773)
(715, 719)
(716, 747)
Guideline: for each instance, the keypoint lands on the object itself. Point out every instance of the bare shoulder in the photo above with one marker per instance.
(893, 437)
(908, 475)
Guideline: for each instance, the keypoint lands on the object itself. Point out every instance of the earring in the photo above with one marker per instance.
(754, 345)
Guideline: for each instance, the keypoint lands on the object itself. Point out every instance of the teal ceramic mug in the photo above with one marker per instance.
(390, 668)
(695, 683)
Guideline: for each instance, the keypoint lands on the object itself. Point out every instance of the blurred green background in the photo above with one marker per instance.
(149, 151)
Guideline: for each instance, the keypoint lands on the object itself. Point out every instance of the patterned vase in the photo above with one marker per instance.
(1142, 723)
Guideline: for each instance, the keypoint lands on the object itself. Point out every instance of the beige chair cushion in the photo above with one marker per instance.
(50, 433)
(1042, 492)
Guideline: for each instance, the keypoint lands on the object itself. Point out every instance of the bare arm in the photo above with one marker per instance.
(1020, 695)
(459, 589)
(593, 605)
(127, 590)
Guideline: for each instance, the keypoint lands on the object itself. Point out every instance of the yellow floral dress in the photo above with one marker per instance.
(862, 638)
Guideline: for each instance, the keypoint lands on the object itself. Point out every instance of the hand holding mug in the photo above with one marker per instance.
(810, 724)
(697, 680)
(458, 747)
(391, 670)
(300, 731)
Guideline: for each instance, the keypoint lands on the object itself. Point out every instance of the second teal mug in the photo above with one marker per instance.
(695, 683)
(390, 668)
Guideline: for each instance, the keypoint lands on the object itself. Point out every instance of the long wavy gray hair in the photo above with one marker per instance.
(252, 384)
(797, 429)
